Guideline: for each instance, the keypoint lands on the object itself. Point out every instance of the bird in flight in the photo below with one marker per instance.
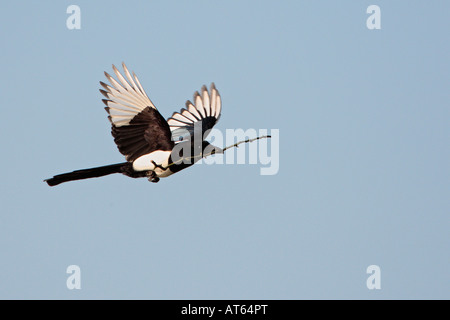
(153, 147)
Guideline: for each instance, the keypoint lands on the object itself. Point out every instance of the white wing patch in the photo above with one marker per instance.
(126, 97)
(206, 104)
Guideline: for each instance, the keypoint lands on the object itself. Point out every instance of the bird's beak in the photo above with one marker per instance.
(217, 150)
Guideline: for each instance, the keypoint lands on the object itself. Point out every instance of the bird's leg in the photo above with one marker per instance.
(158, 166)
(152, 176)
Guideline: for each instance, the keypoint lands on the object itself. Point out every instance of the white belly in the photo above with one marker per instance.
(144, 163)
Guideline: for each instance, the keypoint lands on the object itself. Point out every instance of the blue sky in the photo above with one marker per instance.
(363, 118)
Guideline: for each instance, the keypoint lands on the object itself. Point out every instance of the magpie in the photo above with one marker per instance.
(153, 147)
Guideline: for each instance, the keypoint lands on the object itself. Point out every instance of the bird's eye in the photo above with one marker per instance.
(180, 138)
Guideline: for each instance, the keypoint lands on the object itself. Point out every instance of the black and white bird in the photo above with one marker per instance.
(153, 147)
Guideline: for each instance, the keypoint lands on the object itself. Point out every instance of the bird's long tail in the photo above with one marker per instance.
(86, 174)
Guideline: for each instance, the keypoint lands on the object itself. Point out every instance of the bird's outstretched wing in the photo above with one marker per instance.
(137, 126)
(202, 115)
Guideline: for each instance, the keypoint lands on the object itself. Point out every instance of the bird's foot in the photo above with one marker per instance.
(152, 176)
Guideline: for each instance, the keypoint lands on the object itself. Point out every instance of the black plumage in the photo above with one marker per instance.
(152, 146)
